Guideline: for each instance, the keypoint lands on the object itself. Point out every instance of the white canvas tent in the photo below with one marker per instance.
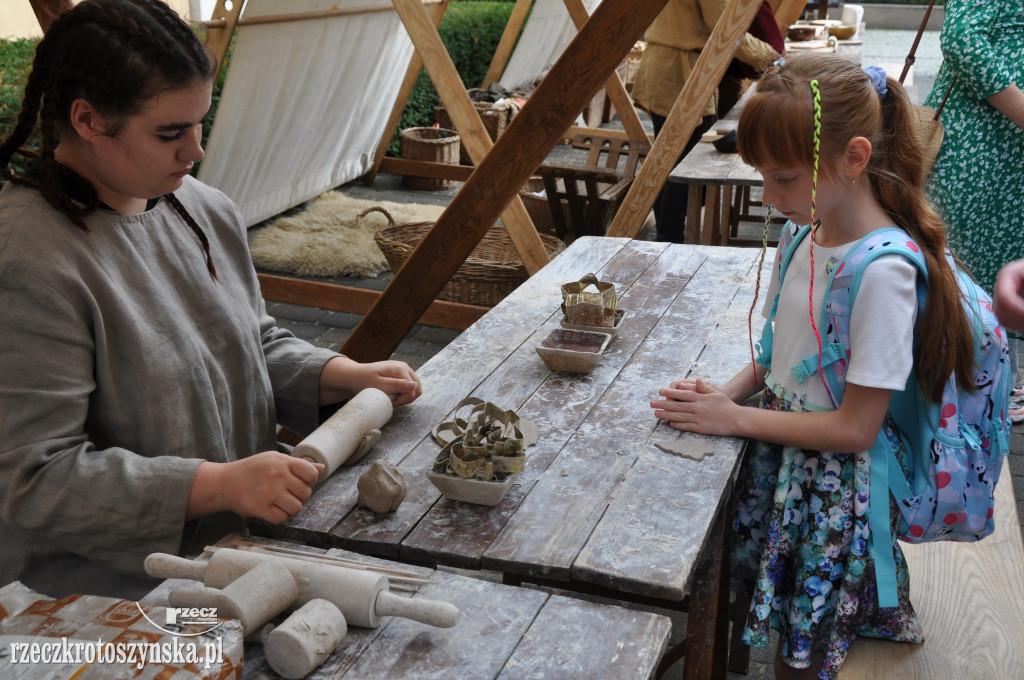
(304, 103)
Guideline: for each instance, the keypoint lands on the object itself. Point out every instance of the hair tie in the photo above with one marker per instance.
(877, 76)
(780, 62)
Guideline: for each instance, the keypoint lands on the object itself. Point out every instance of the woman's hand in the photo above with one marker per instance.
(272, 486)
(344, 378)
(696, 406)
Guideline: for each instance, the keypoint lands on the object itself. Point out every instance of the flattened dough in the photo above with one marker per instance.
(687, 448)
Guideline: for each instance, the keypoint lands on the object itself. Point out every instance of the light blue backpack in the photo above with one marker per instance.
(955, 447)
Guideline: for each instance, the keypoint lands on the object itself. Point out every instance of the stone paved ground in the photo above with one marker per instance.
(330, 329)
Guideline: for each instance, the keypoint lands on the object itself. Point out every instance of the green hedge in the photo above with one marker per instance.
(470, 30)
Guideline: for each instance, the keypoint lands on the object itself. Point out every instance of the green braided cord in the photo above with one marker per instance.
(757, 289)
(814, 196)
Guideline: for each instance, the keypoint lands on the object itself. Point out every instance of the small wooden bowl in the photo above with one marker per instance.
(842, 32)
(801, 33)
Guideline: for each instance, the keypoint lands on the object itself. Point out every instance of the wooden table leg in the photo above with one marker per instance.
(696, 195)
(709, 231)
(726, 218)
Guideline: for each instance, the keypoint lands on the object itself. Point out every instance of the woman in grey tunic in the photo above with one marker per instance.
(977, 182)
(141, 379)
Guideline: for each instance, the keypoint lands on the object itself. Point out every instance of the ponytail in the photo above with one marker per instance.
(945, 342)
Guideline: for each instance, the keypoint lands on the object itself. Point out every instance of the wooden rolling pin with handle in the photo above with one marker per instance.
(347, 435)
(361, 596)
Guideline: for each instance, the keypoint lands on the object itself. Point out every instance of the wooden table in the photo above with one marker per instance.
(503, 632)
(598, 506)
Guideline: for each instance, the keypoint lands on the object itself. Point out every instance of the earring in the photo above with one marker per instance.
(853, 180)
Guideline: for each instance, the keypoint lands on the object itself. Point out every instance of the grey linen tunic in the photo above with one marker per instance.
(123, 366)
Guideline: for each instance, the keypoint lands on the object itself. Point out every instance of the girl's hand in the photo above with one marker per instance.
(342, 377)
(272, 486)
(696, 406)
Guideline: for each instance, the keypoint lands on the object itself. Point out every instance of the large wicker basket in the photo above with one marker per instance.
(429, 144)
(492, 271)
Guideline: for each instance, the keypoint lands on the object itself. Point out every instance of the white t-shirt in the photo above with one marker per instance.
(881, 324)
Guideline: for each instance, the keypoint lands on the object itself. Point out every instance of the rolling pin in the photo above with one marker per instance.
(362, 596)
(348, 434)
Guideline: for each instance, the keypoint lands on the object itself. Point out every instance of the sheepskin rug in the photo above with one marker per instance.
(329, 238)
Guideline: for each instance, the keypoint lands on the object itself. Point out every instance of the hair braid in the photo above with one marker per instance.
(194, 226)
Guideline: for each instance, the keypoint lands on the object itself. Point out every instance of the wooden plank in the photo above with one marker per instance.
(592, 55)
(492, 619)
(507, 42)
(614, 87)
(565, 642)
(557, 407)
(969, 598)
(337, 297)
(412, 73)
(447, 378)
(472, 134)
(667, 501)
(614, 134)
(684, 117)
(556, 519)
(405, 166)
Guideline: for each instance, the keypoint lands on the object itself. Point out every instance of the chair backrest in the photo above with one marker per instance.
(613, 148)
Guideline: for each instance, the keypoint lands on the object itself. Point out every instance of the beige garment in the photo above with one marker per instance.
(674, 41)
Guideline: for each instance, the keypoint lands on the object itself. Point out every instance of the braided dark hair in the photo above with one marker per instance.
(117, 55)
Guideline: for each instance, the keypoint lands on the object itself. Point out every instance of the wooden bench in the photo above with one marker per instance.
(970, 599)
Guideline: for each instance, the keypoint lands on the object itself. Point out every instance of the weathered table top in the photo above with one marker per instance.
(598, 504)
(503, 632)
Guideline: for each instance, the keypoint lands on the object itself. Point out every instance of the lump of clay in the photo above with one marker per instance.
(381, 488)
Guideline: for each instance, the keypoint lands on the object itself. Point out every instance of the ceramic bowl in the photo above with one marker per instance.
(470, 490)
(573, 351)
(610, 330)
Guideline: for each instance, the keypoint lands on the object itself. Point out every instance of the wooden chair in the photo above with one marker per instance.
(584, 198)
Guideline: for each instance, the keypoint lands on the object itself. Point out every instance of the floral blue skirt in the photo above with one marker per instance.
(801, 545)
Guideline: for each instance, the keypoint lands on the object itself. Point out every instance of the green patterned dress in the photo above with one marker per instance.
(977, 182)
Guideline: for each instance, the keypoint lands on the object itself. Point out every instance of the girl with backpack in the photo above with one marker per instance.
(836, 148)
(141, 378)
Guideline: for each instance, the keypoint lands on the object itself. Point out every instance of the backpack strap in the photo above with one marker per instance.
(790, 238)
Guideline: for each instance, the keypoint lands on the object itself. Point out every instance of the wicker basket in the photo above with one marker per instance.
(492, 271)
(430, 144)
(495, 118)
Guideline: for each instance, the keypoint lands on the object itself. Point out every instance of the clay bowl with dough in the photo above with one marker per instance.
(573, 351)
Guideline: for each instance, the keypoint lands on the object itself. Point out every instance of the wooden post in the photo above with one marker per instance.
(48, 10)
(436, 11)
(684, 117)
(621, 100)
(218, 38)
(472, 133)
(595, 52)
(787, 12)
(508, 41)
